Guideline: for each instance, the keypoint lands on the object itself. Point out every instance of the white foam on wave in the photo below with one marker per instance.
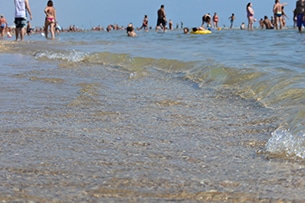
(71, 56)
(283, 141)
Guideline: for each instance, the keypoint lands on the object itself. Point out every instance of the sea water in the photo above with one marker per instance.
(162, 117)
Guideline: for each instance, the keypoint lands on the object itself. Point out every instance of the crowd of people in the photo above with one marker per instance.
(23, 15)
(277, 21)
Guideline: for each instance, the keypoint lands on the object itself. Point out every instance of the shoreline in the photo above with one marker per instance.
(143, 139)
(79, 132)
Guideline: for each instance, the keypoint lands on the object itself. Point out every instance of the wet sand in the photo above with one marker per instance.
(92, 134)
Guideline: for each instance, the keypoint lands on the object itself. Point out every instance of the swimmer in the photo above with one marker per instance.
(194, 29)
(130, 30)
(261, 23)
(243, 26)
(267, 23)
(186, 30)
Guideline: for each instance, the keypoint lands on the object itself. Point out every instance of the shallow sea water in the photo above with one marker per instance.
(92, 132)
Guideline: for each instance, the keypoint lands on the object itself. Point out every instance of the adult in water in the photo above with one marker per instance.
(267, 23)
(50, 19)
(299, 12)
(21, 6)
(144, 23)
(215, 20)
(250, 16)
(130, 30)
(278, 14)
(161, 21)
(3, 25)
(206, 19)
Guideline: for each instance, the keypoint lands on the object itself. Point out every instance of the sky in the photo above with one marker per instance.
(90, 13)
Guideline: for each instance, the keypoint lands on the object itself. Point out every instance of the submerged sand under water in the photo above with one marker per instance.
(96, 134)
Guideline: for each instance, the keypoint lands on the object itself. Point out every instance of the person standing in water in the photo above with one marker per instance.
(170, 25)
(299, 12)
(144, 23)
(231, 18)
(250, 16)
(3, 26)
(161, 21)
(206, 18)
(215, 20)
(284, 16)
(278, 14)
(21, 6)
(50, 19)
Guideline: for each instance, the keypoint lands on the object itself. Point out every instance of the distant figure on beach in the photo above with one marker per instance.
(250, 16)
(299, 12)
(284, 16)
(144, 23)
(232, 18)
(3, 26)
(272, 20)
(50, 19)
(109, 28)
(130, 30)
(206, 19)
(215, 20)
(21, 6)
(29, 29)
(243, 26)
(170, 25)
(267, 23)
(161, 21)
(261, 23)
(278, 14)
(58, 28)
(294, 18)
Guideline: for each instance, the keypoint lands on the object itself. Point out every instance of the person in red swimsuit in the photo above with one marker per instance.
(215, 20)
(50, 20)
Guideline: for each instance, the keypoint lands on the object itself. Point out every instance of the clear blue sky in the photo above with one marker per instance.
(89, 13)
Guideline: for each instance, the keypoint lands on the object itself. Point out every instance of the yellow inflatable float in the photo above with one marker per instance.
(201, 32)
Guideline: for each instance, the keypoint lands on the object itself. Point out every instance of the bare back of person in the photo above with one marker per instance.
(50, 19)
(278, 13)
